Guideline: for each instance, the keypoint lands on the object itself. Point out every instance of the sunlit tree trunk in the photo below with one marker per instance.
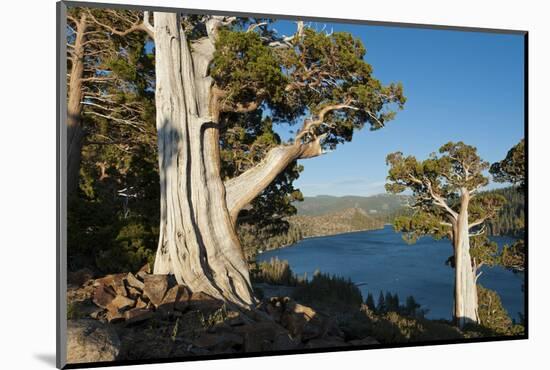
(197, 243)
(466, 307)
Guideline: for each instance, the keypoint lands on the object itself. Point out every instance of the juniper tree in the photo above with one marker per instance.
(209, 69)
(446, 203)
(111, 125)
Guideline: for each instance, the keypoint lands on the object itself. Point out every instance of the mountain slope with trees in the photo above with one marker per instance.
(338, 222)
(510, 220)
(256, 240)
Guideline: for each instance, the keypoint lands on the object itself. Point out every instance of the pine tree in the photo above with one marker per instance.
(370, 302)
(411, 306)
(382, 306)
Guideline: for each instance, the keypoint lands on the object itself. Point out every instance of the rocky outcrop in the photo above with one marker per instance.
(155, 287)
(155, 317)
(134, 298)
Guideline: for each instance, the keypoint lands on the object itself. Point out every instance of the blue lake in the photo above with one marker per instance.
(380, 260)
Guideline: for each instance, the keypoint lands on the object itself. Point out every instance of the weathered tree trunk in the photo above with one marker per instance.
(197, 242)
(75, 133)
(466, 309)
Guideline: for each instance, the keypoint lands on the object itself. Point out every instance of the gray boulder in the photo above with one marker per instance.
(91, 341)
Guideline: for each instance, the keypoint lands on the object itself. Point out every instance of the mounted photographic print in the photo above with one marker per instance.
(235, 185)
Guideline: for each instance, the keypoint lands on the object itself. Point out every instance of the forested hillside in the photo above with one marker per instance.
(511, 218)
(347, 220)
(299, 227)
(376, 205)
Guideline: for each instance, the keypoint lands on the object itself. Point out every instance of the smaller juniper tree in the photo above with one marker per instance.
(446, 203)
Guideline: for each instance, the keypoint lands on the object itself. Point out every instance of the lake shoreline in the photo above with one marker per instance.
(383, 260)
(322, 236)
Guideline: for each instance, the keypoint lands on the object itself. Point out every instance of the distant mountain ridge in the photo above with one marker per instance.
(376, 205)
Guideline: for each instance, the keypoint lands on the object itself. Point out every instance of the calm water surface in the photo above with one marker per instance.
(381, 260)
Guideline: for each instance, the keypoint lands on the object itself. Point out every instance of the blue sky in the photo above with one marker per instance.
(459, 85)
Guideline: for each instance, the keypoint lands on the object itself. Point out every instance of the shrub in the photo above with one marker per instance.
(73, 311)
(131, 249)
(106, 242)
(274, 272)
(392, 327)
(493, 316)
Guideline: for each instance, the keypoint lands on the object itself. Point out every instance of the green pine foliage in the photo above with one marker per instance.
(241, 58)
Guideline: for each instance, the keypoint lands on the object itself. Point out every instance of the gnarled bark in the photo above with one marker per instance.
(247, 186)
(197, 243)
(466, 304)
